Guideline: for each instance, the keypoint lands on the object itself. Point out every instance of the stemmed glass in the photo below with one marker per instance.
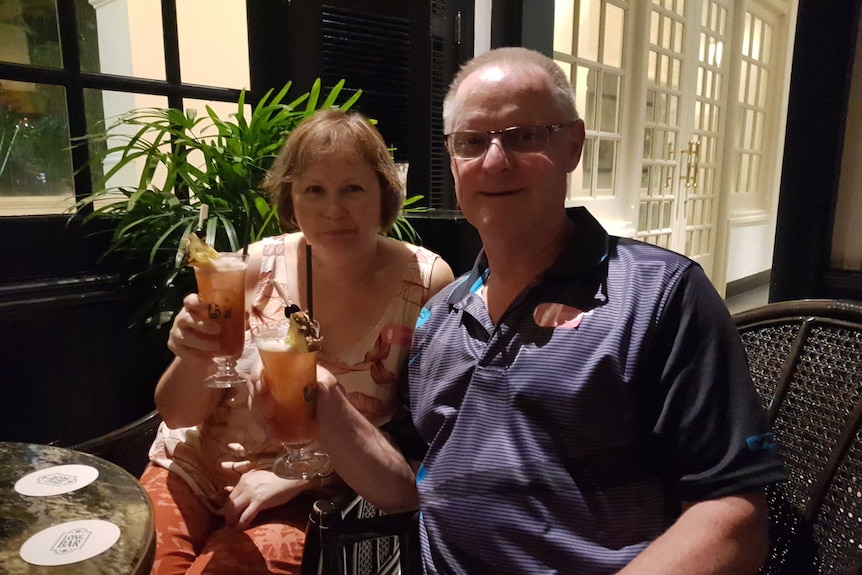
(221, 285)
(292, 378)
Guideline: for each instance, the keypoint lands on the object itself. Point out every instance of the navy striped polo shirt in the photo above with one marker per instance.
(563, 439)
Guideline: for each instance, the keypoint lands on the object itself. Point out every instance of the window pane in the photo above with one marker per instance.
(614, 35)
(586, 167)
(210, 33)
(648, 139)
(105, 108)
(610, 102)
(29, 33)
(606, 168)
(567, 69)
(226, 111)
(564, 20)
(35, 161)
(115, 103)
(585, 95)
(767, 44)
(122, 37)
(589, 30)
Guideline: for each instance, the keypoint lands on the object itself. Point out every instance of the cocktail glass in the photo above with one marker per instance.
(292, 378)
(221, 285)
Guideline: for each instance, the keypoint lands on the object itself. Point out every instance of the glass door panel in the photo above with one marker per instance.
(590, 44)
(683, 128)
(659, 213)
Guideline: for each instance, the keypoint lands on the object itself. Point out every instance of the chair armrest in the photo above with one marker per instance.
(335, 525)
(127, 446)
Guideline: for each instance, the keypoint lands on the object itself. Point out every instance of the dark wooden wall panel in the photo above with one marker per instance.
(70, 367)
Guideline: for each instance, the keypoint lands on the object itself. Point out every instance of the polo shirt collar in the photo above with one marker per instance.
(586, 248)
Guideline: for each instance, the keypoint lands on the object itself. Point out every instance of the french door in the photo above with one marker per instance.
(665, 89)
(683, 131)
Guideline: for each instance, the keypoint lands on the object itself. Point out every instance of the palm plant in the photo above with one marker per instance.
(191, 160)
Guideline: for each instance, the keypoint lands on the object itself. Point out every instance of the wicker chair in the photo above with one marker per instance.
(806, 361)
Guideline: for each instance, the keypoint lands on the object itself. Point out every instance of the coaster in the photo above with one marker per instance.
(56, 480)
(70, 542)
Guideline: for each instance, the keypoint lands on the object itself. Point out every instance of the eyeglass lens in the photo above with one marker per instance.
(518, 139)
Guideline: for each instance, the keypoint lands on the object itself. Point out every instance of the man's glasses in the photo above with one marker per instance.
(471, 144)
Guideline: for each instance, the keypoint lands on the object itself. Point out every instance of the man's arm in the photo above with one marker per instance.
(728, 535)
(361, 454)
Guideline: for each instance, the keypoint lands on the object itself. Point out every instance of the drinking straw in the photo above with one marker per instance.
(202, 215)
(310, 294)
(246, 232)
(281, 291)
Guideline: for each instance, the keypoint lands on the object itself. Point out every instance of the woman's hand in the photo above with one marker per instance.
(194, 335)
(180, 396)
(255, 491)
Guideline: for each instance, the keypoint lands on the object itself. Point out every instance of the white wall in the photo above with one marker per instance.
(749, 249)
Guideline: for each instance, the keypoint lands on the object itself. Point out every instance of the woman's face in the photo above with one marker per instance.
(336, 202)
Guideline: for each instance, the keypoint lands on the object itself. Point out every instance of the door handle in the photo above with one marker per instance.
(690, 158)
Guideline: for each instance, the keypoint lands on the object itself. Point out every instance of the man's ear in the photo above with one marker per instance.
(577, 145)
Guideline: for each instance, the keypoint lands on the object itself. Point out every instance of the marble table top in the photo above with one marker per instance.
(115, 496)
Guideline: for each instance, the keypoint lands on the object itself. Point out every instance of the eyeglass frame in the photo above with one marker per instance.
(491, 133)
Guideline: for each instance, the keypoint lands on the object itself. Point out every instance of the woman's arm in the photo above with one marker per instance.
(181, 397)
(715, 537)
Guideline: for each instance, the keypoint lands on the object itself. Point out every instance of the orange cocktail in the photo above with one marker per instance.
(288, 351)
(292, 380)
(221, 285)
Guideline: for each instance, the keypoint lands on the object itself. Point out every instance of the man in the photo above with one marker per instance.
(585, 399)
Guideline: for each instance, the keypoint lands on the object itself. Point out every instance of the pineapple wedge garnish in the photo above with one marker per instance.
(195, 252)
(303, 335)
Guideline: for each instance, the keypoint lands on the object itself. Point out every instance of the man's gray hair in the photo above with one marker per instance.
(512, 58)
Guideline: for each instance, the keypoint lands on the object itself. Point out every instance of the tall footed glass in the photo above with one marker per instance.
(221, 285)
(291, 374)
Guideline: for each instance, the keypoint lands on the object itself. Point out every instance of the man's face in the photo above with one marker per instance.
(502, 191)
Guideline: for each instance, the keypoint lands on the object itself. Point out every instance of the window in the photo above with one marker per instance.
(590, 47)
(68, 67)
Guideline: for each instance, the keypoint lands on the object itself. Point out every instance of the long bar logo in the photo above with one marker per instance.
(70, 541)
(57, 479)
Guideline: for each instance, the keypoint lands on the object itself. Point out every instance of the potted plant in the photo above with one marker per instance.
(190, 160)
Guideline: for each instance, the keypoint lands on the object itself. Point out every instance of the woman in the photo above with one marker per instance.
(219, 507)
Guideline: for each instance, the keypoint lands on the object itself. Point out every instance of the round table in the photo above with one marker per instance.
(114, 496)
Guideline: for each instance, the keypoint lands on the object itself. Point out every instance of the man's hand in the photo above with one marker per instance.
(260, 399)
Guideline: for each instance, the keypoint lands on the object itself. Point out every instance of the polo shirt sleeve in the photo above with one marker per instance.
(708, 426)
